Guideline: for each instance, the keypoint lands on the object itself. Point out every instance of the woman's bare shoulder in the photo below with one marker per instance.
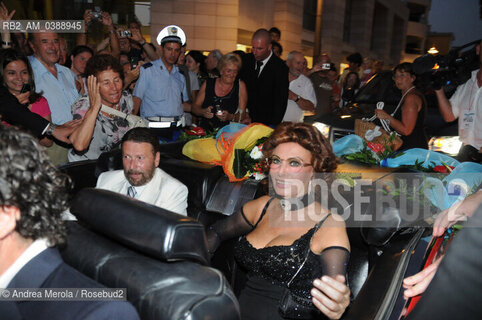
(252, 209)
(413, 99)
(331, 233)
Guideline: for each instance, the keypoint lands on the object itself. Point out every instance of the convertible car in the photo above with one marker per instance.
(162, 259)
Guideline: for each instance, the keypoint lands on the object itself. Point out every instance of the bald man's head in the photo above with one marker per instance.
(261, 44)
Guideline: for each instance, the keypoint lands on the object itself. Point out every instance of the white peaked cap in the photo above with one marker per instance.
(171, 33)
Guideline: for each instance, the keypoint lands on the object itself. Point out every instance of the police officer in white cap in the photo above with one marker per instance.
(161, 91)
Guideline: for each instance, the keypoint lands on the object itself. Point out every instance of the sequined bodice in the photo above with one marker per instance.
(278, 264)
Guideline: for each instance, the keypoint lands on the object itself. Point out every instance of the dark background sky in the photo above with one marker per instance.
(461, 17)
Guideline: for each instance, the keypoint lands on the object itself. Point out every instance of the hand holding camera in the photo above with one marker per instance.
(88, 17)
(137, 36)
(125, 33)
(106, 19)
(96, 14)
(208, 112)
(23, 96)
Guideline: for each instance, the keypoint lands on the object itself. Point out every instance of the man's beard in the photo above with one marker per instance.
(295, 73)
(144, 178)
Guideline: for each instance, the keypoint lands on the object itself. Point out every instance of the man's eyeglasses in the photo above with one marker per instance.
(294, 164)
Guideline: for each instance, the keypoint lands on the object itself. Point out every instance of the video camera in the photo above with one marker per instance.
(450, 71)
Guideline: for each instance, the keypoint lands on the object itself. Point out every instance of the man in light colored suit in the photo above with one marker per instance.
(141, 179)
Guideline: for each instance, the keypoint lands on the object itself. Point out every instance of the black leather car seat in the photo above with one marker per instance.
(159, 256)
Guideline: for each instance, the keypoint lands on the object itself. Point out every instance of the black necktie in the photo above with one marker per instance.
(258, 67)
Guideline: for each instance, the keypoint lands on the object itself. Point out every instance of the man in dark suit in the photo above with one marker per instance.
(266, 78)
(32, 198)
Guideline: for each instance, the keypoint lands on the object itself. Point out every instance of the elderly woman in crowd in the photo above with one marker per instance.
(409, 116)
(272, 247)
(221, 100)
(100, 130)
(16, 76)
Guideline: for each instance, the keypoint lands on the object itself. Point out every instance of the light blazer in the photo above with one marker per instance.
(163, 190)
(47, 270)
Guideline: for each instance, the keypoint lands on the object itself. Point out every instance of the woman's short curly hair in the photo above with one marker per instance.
(31, 183)
(103, 62)
(307, 136)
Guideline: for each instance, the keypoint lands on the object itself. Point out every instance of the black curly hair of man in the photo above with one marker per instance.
(31, 183)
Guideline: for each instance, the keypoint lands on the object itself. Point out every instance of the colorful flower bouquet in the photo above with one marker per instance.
(237, 148)
(248, 161)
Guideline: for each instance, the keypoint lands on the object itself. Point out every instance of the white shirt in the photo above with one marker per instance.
(37, 247)
(163, 190)
(60, 92)
(303, 87)
(467, 102)
(265, 61)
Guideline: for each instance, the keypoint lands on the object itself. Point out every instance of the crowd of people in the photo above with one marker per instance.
(161, 83)
(77, 103)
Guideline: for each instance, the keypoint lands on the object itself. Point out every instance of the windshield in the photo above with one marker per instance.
(380, 88)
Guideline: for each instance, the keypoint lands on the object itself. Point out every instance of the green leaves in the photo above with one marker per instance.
(243, 162)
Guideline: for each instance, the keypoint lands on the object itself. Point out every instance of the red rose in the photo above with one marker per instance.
(196, 131)
(376, 147)
(442, 169)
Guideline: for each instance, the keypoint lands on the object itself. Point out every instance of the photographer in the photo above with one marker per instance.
(137, 37)
(105, 18)
(466, 105)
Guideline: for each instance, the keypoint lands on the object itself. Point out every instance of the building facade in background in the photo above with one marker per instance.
(417, 29)
(390, 30)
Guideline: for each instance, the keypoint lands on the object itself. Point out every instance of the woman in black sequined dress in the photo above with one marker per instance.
(277, 231)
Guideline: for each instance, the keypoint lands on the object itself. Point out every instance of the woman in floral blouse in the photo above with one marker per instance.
(100, 131)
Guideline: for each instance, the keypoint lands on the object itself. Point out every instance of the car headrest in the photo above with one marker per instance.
(199, 178)
(143, 227)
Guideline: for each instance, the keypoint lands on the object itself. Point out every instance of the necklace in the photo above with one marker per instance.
(223, 89)
(294, 204)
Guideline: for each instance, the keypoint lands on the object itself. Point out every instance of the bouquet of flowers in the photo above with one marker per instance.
(248, 161)
(374, 153)
(239, 152)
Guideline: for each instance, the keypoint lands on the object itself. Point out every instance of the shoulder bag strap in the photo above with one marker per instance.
(317, 226)
(114, 112)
